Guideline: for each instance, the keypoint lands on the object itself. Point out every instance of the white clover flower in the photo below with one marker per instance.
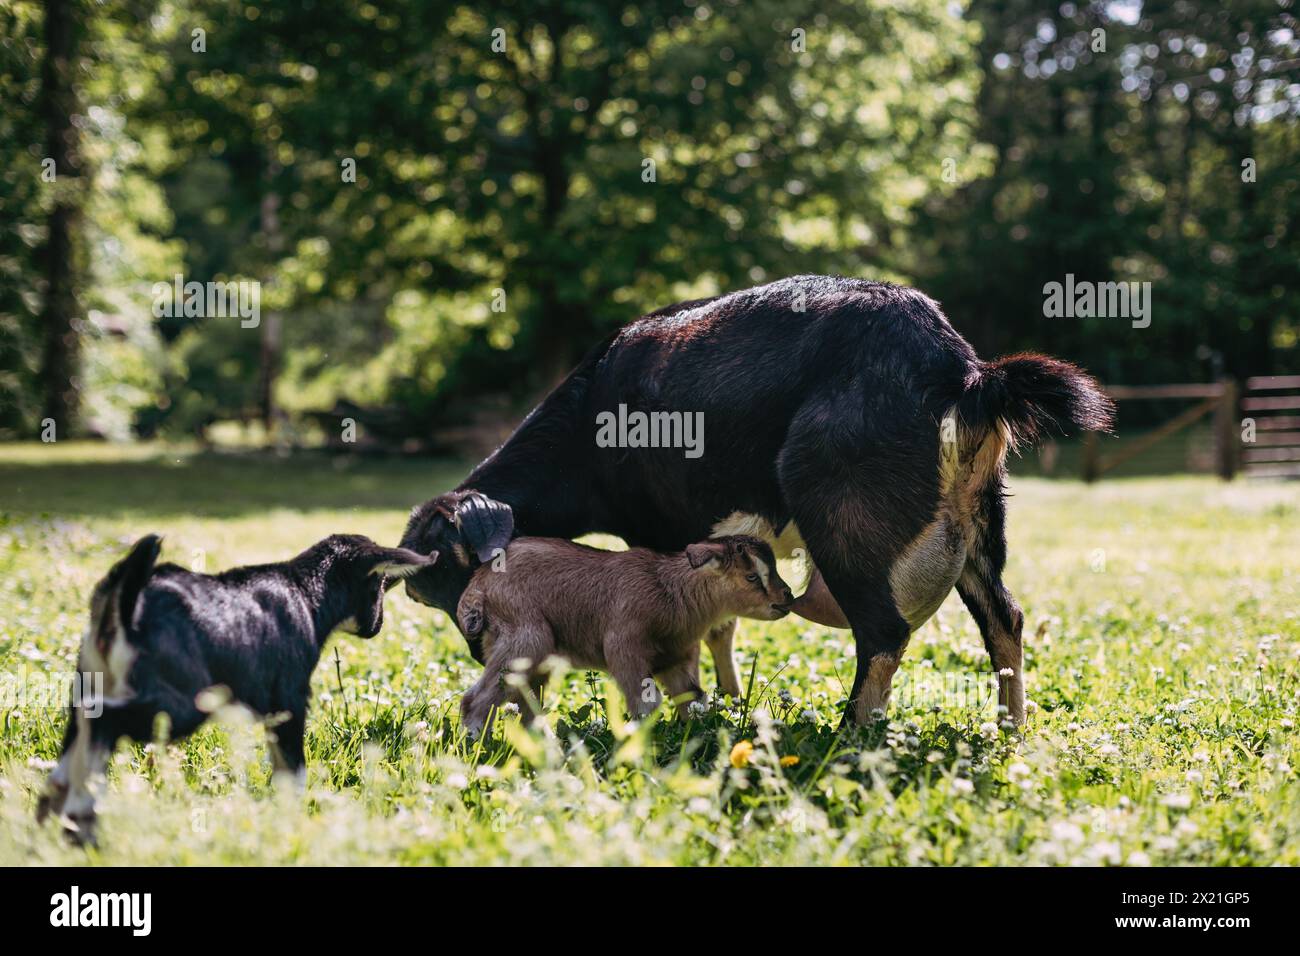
(1031, 707)
(786, 697)
(989, 730)
(1018, 771)
(1064, 831)
(1107, 750)
(1105, 852)
(962, 786)
(1138, 858)
(1195, 776)
(457, 781)
(1007, 672)
(808, 714)
(697, 708)
(510, 708)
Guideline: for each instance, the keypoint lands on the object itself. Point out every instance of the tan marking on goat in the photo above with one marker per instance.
(1007, 653)
(783, 545)
(875, 691)
(925, 573)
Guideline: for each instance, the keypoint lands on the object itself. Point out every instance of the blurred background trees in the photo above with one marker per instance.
(447, 204)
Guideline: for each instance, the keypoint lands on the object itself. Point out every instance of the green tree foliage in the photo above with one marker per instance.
(116, 248)
(1125, 159)
(530, 175)
(443, 201)
(21, 217)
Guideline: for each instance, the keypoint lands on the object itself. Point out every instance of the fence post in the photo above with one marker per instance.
(1091, 458)
(1226, 439)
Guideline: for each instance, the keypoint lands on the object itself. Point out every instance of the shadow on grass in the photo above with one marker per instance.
(221, 485)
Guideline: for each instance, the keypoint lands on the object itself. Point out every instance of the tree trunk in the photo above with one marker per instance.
(59, 313)
(269, 344)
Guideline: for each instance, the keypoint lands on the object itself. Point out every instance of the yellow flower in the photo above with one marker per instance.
(741, 753)
(789, 761)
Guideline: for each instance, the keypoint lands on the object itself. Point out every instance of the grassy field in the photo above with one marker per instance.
(1163, 650)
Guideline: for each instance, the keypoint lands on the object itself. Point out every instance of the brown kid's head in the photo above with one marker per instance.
(746, 568)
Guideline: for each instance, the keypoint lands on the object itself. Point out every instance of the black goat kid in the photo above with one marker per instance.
(159, 635)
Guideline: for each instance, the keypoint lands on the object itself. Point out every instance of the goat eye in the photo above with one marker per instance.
(751, 578)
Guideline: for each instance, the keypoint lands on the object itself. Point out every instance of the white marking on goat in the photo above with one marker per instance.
(395, 569)
(84, 761)
(115, 666)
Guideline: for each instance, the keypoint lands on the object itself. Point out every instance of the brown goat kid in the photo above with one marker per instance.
(638, 615)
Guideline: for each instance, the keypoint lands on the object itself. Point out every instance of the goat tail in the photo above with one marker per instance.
(1026, 395)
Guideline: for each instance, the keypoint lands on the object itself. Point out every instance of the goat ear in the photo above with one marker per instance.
(485, 525)
(401, 562)
(701, 554)
(128, 577)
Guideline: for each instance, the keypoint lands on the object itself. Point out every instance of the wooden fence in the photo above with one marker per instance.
(1270, 426)
(1216, 399)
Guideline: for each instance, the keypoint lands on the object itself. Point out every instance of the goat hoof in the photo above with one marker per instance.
(51, 801)
(81, 830)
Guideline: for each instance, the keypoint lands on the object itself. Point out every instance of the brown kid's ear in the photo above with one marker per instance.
(705, 551)
(400, 562)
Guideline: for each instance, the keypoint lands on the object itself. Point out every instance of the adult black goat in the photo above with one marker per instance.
(842, 414)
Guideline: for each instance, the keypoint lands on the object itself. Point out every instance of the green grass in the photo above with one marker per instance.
(1163, 646)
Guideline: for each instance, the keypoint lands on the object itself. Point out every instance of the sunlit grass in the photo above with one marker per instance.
(1163, 644)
